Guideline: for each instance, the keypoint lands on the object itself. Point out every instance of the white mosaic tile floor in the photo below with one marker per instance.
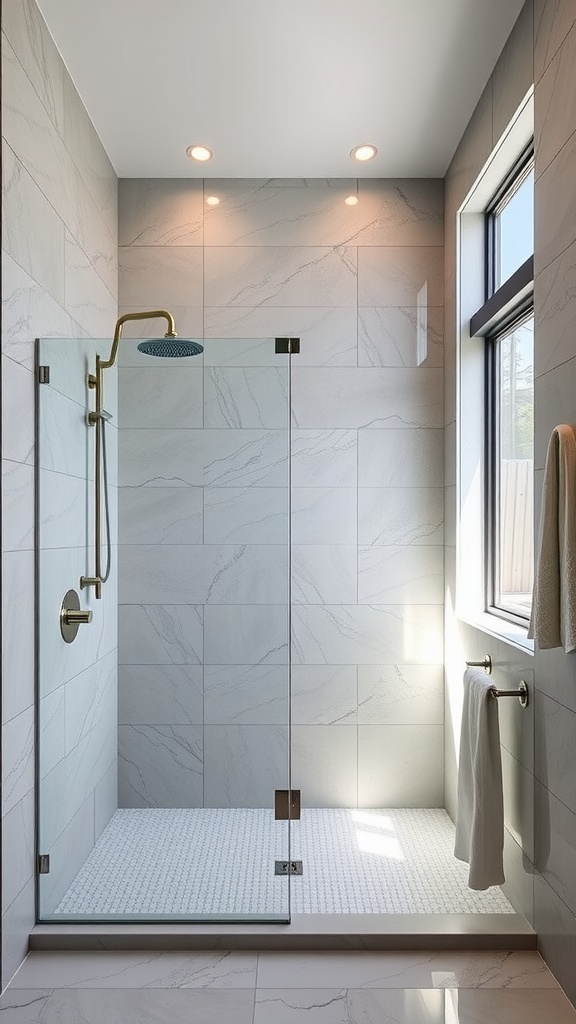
(221, 861)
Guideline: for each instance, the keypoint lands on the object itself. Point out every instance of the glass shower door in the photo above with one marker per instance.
(165, 725)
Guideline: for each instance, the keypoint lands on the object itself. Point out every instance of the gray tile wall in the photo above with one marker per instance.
(59, 279)
(538, 747)
(362, 286)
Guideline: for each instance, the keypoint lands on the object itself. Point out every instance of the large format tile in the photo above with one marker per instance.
(245, 634)
(160, 766)
(401, 575)
(400, 766)
(400, 694)
(17, 920)
(18, 848)
(341, 1006)
(88, 153)
(120, 969)
(555, 99)
(88, 298)
(323, 515)
(160, 634)
(324, 759)
(430, 970)
(17, 506)
(323, 458)
(555, 210)
(370, 397)
(246, 694)
(27, 31)
(67, 855)
(400, 336)
(324, 695)
(92, 1006)
(246, 515)
(323, 574)
(244, 764)
(160, 515)
(160, 695)
(400, 275)
(554, 746)
(556, 928)
(555, 309)
(17, 412)
(403, 458)
(405, 211)
(18, 668)
(91, 699)
(159, 276)
(17, 759)
(513, 75)
(280, 276)
(553, 19)
(366, 634)
(244, 397)
(240, 458)
(160, 397)
(327, 333)
(400, 516)
(555, 844)
(160, 211)
(161, 458)
(25, 304)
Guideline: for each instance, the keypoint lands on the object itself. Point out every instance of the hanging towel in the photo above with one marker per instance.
(480, 814)
(553, 619)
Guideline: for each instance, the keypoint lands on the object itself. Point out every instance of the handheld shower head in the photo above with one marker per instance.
(170, 347)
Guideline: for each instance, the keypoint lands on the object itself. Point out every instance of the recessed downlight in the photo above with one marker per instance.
(199, 153)
(351, 200)
(212, 200)
(364, 152)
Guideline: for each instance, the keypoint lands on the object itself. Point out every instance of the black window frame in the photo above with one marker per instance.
(505, 307)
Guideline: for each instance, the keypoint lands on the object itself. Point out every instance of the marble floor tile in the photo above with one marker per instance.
(126, 1006)
(147, 969)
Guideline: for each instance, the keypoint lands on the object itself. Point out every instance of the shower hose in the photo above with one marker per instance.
(102, 423)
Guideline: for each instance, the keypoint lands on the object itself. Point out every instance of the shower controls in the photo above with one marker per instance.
(72, 616)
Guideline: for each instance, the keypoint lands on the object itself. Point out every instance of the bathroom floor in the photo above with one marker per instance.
(221, 861)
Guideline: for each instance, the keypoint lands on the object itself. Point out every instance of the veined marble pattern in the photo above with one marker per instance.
(401, 575)
(405, 458)
(366, 634)
(554, 121)
(88, 298)
(24, 303)
(17, 431)
(400, 516)
(398, 275)
(160, 695)
(555, 309)
(160, 765)
(52, 721)
(324, 573)
(246, 515)
(401, 336)
(160, 515)
(17, 506)
(244, 764)
(397, 861)
(161, 211)
(246, 694)
(28, 34)
(244, 397)
(160, 276)
(245, 634)
(280, 276)
(328, 333)
(324, 764)
(324, 695)
(367, 397)
(404, 694)
(244, 351)
(323, 458)
(160, 634)
(324, 515)
(161, 397)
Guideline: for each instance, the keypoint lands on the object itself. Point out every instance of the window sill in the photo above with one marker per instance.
(508, 632)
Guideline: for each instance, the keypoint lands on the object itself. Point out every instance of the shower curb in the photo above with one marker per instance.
(305, 932)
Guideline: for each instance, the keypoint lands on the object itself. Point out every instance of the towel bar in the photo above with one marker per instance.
(486, 664)
(521, 693)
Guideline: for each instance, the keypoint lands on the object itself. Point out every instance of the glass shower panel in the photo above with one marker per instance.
(176, 707)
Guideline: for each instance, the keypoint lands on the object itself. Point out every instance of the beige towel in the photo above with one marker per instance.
(480, 812)
(553, 620)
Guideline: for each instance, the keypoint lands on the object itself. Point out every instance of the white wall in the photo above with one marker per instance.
(59, 279)
(290, 258)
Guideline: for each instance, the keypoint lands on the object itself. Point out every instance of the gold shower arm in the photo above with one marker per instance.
(170, 333)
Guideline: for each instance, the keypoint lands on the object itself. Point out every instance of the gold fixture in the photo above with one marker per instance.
(72, 616)
(95, 419)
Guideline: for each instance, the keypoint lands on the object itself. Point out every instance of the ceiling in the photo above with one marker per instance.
(280, 88)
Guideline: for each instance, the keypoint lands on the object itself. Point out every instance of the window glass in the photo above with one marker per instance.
(514, 229)
(513, 576)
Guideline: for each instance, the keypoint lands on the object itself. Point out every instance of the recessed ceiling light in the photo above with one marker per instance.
(212, 200)
(351, 200)
(364, 152)
(199, 153)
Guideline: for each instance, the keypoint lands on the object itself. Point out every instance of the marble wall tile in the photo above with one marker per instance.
(65, 444)
(160, 211)
(556, 928)
(19, 847)
(105, 798)
(17, 920)
(553, 19)
(245, 634)
(555, 206)
(188, 320)
(555, 308)
(160, 634)
(161, 458)
(18, 759)
(366, 634)
(25, 305)
(323, 515)
(323, 458)
(401, 575)
(324, 759)
(37, 52)
(245, 352)
(400, 694)
(241, 458)
(324, 695)
(91, 1006)
(246, 515)
(555, 390)
(406, 211)
(400, 515)
(405, 458)
(52, 725)
(244, 764)
(160, 695)
(91, 699)
(246, 397)
(409, 275)
(400, 336)
(400, 766)
(324, 574)
(518, 784)
(160, 276)
(160, 766)
(67, 856)
(555, 121)
(90, 157)
(18, 670)
(280, 276)
(17, 506)
(204, 574)
(367, 397)
(160, 515)
(328, 334)
(65, 512)
(472, 152)
(32, 232)
(88, 299)
(556, 677)
(246, 694)
(555, 844)
(513, 74)
(519, 878)
(160, 397)
(554, 748)
(17, 412)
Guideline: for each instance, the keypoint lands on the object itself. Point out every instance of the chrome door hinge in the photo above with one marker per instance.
(43, 374)
(43, 863)
(287, 346)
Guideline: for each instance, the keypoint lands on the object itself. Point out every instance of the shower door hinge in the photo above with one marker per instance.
(43, 863)
(287, 804)
(287, 346)
(43, 374)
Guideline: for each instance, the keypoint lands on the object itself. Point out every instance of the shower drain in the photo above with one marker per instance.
(287, 867)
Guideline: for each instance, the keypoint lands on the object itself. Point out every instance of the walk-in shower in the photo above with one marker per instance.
(198, 693)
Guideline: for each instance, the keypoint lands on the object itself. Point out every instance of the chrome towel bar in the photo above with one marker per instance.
(521, 692)
(486, 664)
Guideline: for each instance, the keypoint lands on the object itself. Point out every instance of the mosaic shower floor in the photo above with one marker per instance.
(221, 861)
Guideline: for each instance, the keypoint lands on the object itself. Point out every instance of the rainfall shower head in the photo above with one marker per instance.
(176, 348)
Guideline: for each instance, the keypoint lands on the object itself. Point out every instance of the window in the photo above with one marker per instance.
(506, 321)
